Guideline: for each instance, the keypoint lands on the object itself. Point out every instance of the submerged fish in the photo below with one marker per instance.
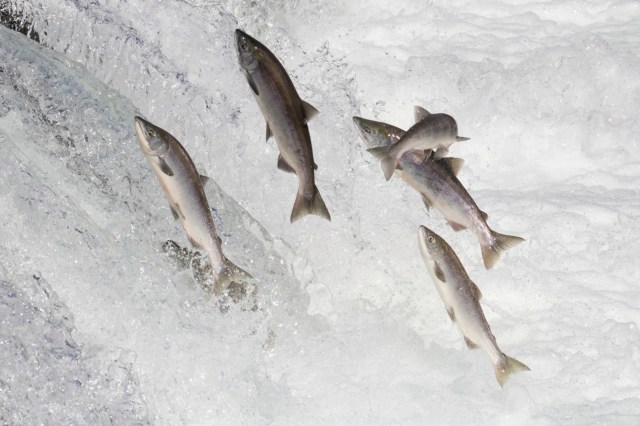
(461, 297)
(431, 131)
(286, 116)
(439, 187)
(182, 186)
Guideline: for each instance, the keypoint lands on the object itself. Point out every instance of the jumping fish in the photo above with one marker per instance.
(286, 116)
(439, 187)
(461, 297)
(182, 186)
(431, 131)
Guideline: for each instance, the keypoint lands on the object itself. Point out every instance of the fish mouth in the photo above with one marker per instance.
(245, 48)
(149, 139)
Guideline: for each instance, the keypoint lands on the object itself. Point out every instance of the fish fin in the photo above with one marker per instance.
(426, 201)
(484, 215)
(420, 113)
(309, 111)
(440, 153)
(456, 226)
(175, 211)
(389, 164)
(461, 139)
(229, 273)
(421, 156)
(193, 242)
(470, 344)
(269, 134)
(476, 291)
(451, 314)
(284, 166)
(506, 367)
(502, 242)
(313, 205)
(252, 83)
(204, 180)
(165, 167)
(439, 273)
(452, 164)
(315, 166)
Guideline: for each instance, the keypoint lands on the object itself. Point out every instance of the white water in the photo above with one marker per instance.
(349, 328)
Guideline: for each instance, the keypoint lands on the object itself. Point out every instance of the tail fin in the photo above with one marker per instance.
(309, 205)
(229, 273)
(506, 367)
(388, 162)
(501, 242)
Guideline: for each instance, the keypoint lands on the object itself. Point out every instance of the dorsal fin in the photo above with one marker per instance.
(204, 180)
(269, 134)
(420, 113)
(426, 201)
(309, 111)
(476, 290)
(452, 164)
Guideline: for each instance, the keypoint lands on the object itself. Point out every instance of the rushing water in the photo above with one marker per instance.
(343, 325)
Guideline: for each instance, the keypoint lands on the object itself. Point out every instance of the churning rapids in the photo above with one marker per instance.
(344, 325)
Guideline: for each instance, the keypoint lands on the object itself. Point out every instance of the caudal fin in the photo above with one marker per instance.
(229, 273)
(388, 162)
(309, 205)
(501, 242)
(506, 367)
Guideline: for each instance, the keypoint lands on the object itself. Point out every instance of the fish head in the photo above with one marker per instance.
(152, 139)
(250, 51)
(376, 133)
(432, 246)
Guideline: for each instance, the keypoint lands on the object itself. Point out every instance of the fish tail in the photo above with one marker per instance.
(491, 252)
(388, 162)
(230, 272)
(305, 205)
(506, 367)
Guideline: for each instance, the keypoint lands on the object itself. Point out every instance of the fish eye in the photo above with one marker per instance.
(431, 239)
(243, 45)
(367, 130)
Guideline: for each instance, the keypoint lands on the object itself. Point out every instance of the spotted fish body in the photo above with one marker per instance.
(461, 298)
(439, 187)
(286, 116)
(182, 185)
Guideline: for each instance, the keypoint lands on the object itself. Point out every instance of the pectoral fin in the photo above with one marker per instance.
(164, 167)
(252, 83)
(284, 166)
(309, 111)
(439, 273)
